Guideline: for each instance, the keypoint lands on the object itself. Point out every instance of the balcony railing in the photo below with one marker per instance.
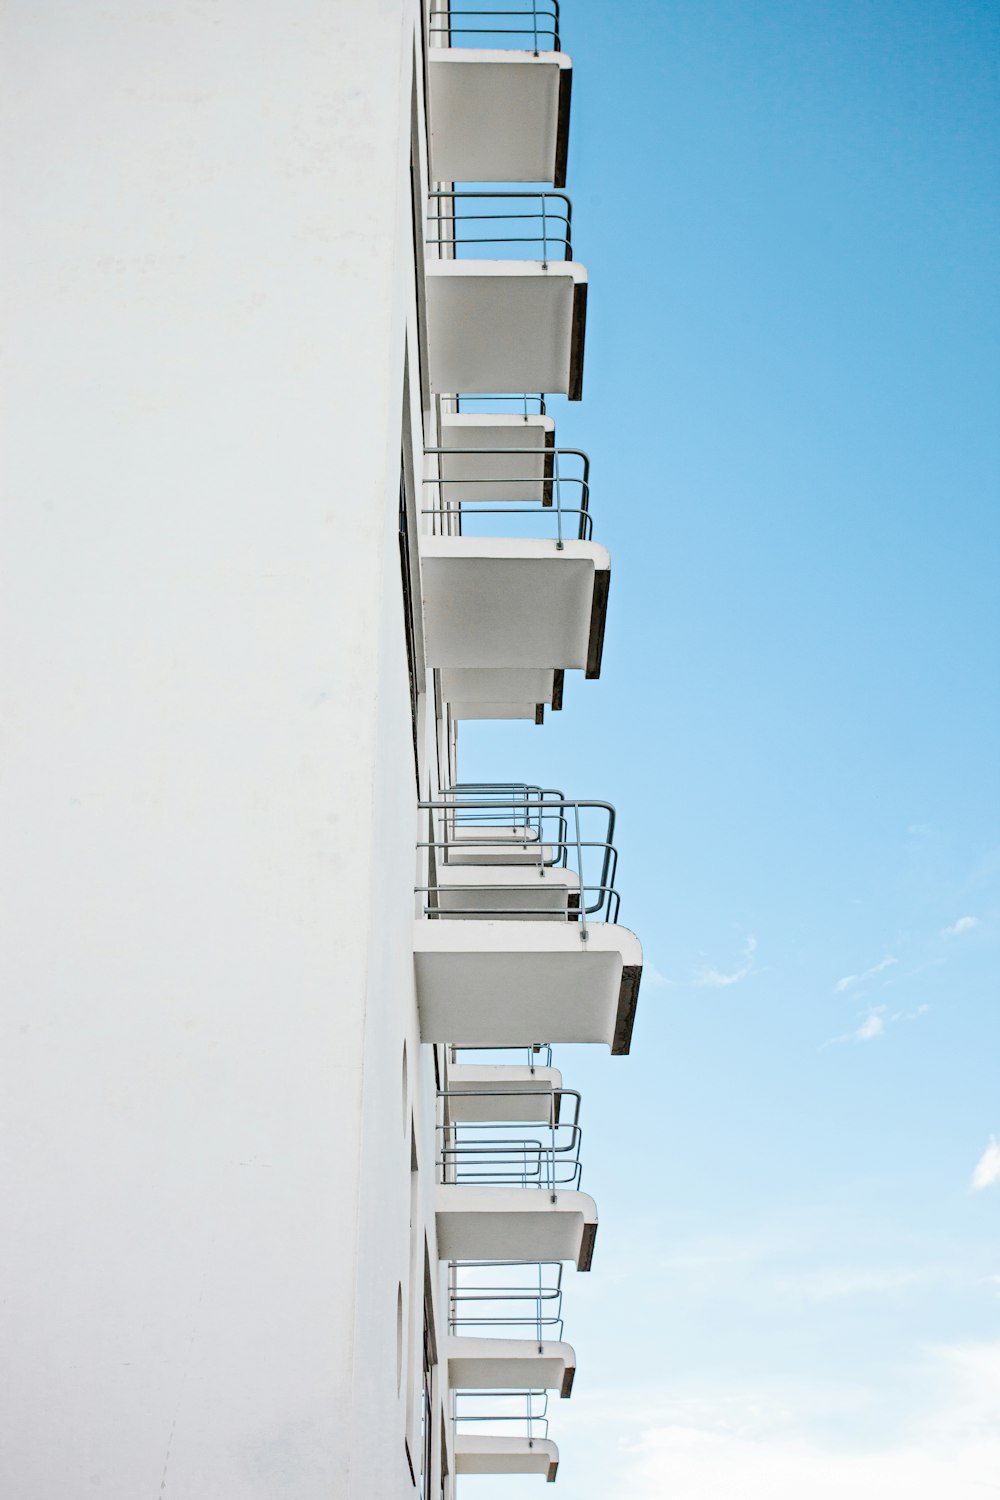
(472, 503)
(540, 1153)
(532, 26)
(522, 833)
(507, 1297)
(501, 225)
(521, 1414)
(526, 404)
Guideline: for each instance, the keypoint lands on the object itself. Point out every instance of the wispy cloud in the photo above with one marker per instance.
(964, 924)
(850, 980)
(713, 977)
(763, 1440)
(875, 1023)
(652, 976)
(987, 1172)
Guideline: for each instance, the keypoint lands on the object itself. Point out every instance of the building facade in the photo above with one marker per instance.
(291, 1171)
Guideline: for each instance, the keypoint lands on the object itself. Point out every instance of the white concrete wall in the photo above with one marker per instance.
(208, 794)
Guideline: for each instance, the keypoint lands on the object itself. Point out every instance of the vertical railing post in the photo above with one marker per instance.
(579, 865)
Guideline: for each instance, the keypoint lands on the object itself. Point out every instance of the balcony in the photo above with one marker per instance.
(504, 1432)
(478, 1092)
(519, 941)
(515, 590)
(498, 96)
(514, 324)
(505, 1327)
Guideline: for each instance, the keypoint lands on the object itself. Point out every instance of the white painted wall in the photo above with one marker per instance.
(208, 794)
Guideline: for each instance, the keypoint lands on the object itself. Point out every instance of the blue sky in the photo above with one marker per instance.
(789, 212)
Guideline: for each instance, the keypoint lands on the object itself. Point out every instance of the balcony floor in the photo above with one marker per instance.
(505, 1455)
(494, 602)
(506, 325)
(539, 895)
(499, 469)
(515, 1223)
(476, 1364)
(501, 693)
(498, 115)
(510, 984)
(529, 1093)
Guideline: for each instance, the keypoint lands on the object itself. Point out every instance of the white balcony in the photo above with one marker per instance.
(506, 325)
(488, 1364)
(478, 1093)
(477, 891)
(498, 603)
(502, 693)
(505, 1455)
(498, 116)
(515, 1223)
(510, 983)
(497, 452)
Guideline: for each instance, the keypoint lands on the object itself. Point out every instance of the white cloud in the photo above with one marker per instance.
(713, 977)
(850, 980)
(875, 1023)
(761, 1443)
(652, 976)
(964, 924)
(987, 1172)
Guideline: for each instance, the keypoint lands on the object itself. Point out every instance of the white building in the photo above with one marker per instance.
(251, 591)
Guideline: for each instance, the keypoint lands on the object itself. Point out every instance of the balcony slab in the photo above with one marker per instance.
(479, 1093)
(513, 983)
(467, 893)
(478, 1364)
(511, 458)
(515, 1223)
(498, 116)
(497, 602)
(501, 693)
(506, 325)
(505, 1455)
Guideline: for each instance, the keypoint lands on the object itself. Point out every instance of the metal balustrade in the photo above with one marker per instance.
(503, 1413)
(525, 403)
(506, 1297)
(528, 833)
(470, 225)
(537, 1055)
(561, 474)
(534, 23)
(505, 1152)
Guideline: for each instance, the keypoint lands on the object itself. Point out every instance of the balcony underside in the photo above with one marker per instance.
(502, 692)
(493, 602)
(504, 1092)
(510, 1364)
(541, 895)
(483, 844)
(515, 1223)
(511, 983)
(498, 116)
(506, 325)
(497, 476)
(505, 1455)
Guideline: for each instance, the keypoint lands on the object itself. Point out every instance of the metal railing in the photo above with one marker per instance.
(504, 1413)
(534, 22)
(503, 1152)
(507, 1295)
(465, 499)
(528, 832)
(464, 231)
(531, 403)
(536, 1055)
